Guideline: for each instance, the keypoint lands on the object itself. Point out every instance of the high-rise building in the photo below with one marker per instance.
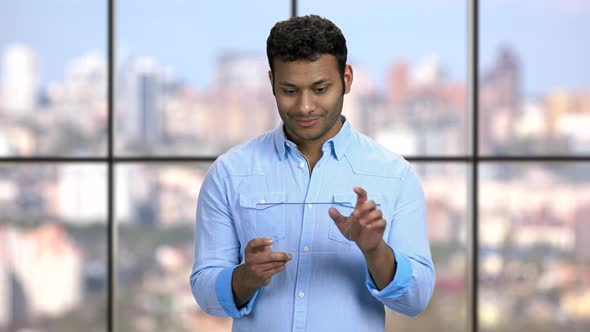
(239, 71)
(243, 93)
(428, 72)
(86, 79)
(399, 79)
(504, 78)
(19, 79)
(499, 99)
(142, 95)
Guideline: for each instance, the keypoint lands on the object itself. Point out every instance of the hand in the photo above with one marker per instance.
(365, 226)
(261, 264)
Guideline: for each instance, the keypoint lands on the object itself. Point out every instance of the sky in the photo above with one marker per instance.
(187, 35)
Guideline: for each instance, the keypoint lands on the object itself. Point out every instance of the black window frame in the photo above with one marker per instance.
(472, 160)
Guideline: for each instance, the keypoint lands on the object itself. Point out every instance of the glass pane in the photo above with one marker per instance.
(283, 221)
(155, 221)
(53, 78)
(408, 59)
(534, 247)
(447, 222)
(53, 247)
(534, 83)
(192, 79)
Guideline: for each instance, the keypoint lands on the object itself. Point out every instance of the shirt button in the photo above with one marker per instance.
(301, 294)
(301, 164)
(262, 201)
(306, 248)
(309, 205)
(287, 144)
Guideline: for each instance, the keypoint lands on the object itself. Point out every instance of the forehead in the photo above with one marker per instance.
(306, 71)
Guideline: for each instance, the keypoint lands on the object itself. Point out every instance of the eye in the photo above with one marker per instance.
(321, 89)
(289, 91)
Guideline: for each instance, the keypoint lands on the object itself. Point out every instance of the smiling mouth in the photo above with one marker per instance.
(306, 123)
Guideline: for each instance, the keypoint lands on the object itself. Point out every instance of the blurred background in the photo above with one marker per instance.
(191, 81)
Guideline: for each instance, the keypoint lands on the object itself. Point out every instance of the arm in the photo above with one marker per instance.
(413, 283)
(219, 284)
(366, 226)
(217, 249)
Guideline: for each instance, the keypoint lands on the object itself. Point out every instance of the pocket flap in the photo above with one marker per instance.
(262, 200)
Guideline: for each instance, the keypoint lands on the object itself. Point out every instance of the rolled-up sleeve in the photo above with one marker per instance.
(217, 249)
(411, 289)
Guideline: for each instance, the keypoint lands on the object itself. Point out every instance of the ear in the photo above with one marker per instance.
(347, 78)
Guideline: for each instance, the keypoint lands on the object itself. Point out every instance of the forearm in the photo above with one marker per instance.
(381, 264)
(241, 290)
(412, 288)
(203, 282)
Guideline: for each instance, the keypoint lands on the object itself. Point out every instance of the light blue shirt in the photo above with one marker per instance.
(324, 292)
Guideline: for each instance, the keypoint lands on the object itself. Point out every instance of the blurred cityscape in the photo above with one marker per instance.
(418, 112)
(534, 227)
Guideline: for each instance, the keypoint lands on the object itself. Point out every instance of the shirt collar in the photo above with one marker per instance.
(337, 144)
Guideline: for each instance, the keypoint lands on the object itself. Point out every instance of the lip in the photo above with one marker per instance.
(306, 123)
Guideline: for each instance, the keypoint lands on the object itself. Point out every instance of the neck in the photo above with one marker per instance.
(312, 149)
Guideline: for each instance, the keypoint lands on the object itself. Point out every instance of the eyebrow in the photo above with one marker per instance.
(291, 85)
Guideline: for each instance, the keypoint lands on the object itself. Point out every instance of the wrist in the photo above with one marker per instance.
(376, 250)
(239, 286)
(243, 284)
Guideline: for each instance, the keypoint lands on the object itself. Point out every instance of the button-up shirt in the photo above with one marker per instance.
(265, 187)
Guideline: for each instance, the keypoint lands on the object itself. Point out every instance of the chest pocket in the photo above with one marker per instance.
(263, 214)
(345, 203)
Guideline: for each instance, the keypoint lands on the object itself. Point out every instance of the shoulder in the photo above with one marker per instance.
(368, 157)
(247, 158)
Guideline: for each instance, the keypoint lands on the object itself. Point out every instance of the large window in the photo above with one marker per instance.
(112, 111)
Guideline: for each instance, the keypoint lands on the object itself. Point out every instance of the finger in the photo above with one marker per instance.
(269, 266)
(257, 258)
(336, 216)
(361, 196)
(370, 216)
(376, 224)
(280, 257)
(369, 206)
(258, 244)
(270, 273)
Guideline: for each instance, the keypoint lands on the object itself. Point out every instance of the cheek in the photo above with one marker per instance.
(284, 105)
(333, 104)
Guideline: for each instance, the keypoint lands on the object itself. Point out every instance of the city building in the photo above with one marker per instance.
(20, 80)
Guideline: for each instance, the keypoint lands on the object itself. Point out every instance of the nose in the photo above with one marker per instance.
(306, 102)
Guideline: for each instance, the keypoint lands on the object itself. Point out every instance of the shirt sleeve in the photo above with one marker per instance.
(217, 250)
(413, 284)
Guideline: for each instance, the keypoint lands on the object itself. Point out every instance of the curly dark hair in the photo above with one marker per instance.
(306, 38)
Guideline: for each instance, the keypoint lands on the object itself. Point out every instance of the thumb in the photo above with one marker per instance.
(336, 216)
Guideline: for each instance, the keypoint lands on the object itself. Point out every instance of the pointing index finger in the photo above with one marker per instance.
(361, 197)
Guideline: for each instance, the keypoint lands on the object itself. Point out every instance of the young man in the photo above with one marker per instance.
(380, 253)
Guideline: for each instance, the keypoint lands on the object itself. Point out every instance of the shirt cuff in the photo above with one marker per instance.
(401, 280)
(225, 295)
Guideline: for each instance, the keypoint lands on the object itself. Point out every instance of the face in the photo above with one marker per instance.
(309, 96)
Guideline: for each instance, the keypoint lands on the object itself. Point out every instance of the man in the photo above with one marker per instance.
(269, 283)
